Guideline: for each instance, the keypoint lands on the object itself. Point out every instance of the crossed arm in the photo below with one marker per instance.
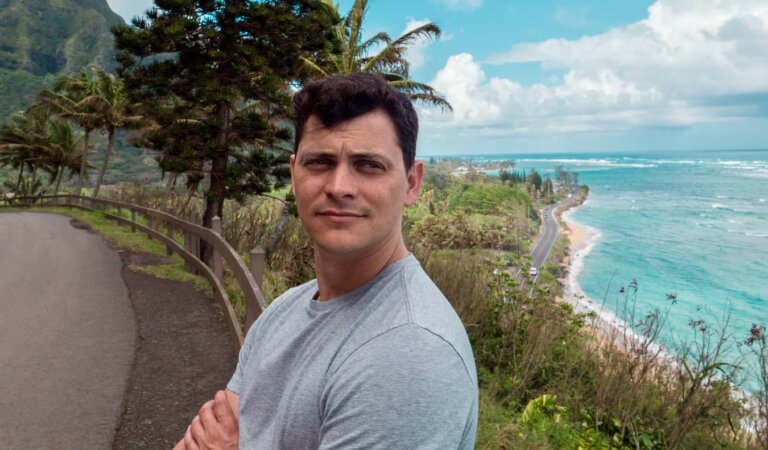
(216, 426)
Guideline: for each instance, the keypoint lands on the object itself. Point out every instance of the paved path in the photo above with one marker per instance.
(547, 239)
(67, 335)
(549, 233)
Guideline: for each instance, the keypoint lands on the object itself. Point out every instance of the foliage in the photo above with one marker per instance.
(35, 141)
(41, 39)
(110, 102)
(488, 198)
(215, 76)
(18, 90)
(389, 61)
(76, 98)
(757, 343)
(27, 191)
(526, 340)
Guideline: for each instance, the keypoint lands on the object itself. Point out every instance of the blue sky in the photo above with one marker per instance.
(561, 76)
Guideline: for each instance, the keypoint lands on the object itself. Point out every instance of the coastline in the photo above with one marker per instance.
(605, 325)
(582, 240)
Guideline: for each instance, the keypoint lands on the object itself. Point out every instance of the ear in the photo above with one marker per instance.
(414, 178)
(292, 164)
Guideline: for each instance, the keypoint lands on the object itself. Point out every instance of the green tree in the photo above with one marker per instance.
(534, 178)
(563, 175)
(74, 97)
(548, 189)
(63, 151)
(23, 142)
(230, 63)
(36, 141)
(389, 62)
(110, 101)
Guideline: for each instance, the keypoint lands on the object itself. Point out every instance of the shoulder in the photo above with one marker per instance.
(430, 310)
(408, 351)
(403, 387)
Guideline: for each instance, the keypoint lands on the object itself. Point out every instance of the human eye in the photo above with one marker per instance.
(371, 166)
(317, 163)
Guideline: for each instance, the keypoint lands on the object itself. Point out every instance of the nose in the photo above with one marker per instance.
(341, 182)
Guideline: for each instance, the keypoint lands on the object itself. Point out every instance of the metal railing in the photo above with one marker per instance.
(188, 249)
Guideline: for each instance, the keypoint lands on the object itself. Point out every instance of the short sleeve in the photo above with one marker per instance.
(235, 383)
(247, 350)
(406, 388)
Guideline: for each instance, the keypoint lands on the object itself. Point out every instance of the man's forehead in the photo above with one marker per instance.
(314, 123)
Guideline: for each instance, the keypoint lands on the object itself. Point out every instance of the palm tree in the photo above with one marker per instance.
(74, 97)
(389, 62)
(23, 142)
(63, 151)
(34, 140)
(111, 103)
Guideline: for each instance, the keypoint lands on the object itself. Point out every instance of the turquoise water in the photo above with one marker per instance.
(692, 223)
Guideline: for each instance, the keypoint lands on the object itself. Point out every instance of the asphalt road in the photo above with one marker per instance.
(547, 239)
(67, 335)
(544, 244)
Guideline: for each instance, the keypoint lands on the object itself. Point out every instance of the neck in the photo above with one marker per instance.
(339, 274)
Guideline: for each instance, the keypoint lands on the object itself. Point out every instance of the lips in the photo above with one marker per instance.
(335, 213)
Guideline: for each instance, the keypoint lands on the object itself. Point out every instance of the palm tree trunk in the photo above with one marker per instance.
(83, 162)
(21, 174)
(107, 154)
(59, 175)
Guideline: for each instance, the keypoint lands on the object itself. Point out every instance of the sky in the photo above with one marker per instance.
(544, 76)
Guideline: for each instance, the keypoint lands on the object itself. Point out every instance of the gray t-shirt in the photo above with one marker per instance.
(386, 366)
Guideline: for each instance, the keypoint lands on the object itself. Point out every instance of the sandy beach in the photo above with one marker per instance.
(582, 240)
(605, 324)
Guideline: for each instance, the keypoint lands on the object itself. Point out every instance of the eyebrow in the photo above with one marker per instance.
(356, 156)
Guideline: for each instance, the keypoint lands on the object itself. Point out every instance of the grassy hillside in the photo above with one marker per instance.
(40, 39)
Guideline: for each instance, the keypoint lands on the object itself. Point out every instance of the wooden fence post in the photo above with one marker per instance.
(169, 228)
(258, 262)
(195, 238)
(150, 224)
(188, 246)
(257, 265)
(218, 267)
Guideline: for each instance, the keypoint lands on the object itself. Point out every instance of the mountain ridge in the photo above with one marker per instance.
(42, 39)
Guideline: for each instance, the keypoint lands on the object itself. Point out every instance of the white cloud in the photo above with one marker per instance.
(576, 17)
(690, 61)
(461, 4)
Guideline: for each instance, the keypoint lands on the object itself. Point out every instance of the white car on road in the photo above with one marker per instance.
(533, 272)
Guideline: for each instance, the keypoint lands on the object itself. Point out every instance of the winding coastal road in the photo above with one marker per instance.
(547, 239)
(549, 233)
(67, 335)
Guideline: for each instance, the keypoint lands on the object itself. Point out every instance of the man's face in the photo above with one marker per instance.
(351, 185)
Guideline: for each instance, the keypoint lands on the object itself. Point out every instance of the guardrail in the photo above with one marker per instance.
(189, 249)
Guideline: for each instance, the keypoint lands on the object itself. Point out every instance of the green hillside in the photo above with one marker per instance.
(40, 39)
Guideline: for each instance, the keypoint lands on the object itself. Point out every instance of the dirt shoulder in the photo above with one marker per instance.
(184, 354)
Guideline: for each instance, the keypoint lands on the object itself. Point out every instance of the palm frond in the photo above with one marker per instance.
(313, 67)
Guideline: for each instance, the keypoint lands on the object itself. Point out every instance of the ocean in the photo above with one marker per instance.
(690, 224)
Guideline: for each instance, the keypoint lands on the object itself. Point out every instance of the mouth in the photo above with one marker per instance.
(339, 214)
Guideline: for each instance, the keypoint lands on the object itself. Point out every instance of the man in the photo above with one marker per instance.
(370, 354)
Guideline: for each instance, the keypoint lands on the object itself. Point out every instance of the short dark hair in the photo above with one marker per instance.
(339, 98)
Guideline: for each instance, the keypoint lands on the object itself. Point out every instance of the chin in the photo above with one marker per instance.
(337, 248)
